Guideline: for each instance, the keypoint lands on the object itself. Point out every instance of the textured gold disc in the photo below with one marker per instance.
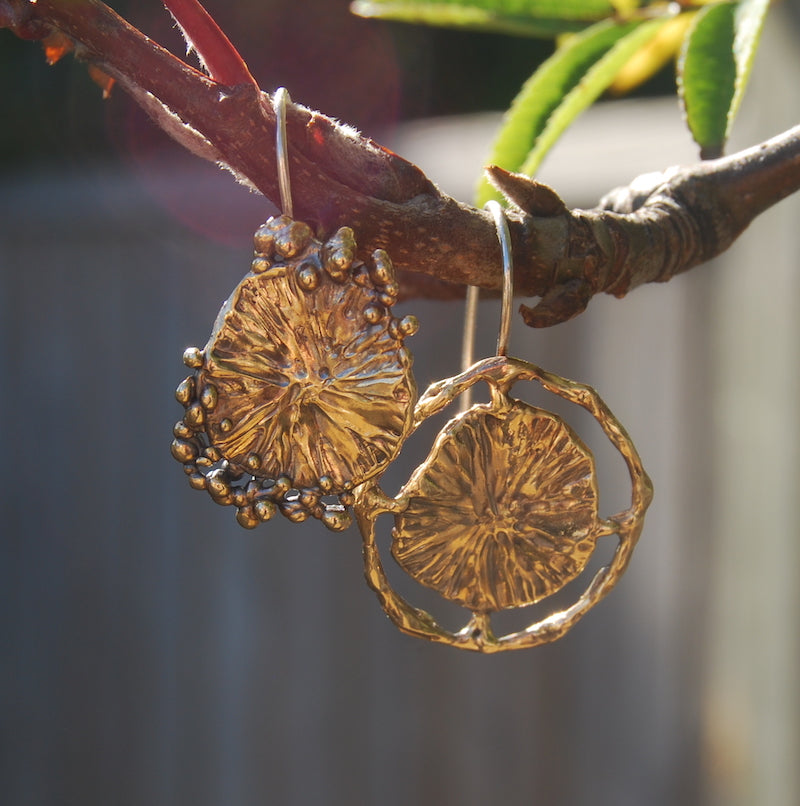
(503, 511)
(305, 383)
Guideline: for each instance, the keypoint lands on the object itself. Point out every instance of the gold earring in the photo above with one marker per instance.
(304, 389)
(504, 511)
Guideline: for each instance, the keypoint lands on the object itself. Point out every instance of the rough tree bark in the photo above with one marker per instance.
(659, 226)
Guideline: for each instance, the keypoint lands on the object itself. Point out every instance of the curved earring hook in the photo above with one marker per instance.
(280, 100)
(470, 320)
(471, 310)
(504, 236)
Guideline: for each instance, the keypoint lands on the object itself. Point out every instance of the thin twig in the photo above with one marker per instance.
(220, 58)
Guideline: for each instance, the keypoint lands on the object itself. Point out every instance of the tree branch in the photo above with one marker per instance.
(658, 227)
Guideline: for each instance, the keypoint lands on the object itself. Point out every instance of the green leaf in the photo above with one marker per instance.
(707, 77)
(566, 84)
(750, 16)
(540, 18)
(714, 68)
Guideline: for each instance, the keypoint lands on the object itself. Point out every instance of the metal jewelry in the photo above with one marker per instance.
(504, 511)
(304, 389)
(304, 394)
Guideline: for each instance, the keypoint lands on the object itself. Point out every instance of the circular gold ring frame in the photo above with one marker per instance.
(478, 575)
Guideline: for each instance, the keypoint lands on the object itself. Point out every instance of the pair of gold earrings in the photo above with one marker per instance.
(304, 394)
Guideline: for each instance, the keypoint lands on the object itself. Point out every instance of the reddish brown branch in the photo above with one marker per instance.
(339, 178)
(220, 58)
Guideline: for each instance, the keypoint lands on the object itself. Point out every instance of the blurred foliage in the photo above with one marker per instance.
(606, 45)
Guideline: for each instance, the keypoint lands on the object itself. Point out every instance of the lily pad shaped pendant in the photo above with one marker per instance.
(504, 511)
(305, 388)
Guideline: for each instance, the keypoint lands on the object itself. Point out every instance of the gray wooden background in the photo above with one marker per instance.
(153, 652)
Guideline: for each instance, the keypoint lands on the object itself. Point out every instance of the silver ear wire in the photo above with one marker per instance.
(473, 292)
(280, 100)
(470, 321)
(504, 236)
(468, 341)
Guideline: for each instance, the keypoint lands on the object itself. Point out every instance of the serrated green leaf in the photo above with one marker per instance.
(707, 76)
(566, 84)
(750, 16)
(539, 18)
(714, 68)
